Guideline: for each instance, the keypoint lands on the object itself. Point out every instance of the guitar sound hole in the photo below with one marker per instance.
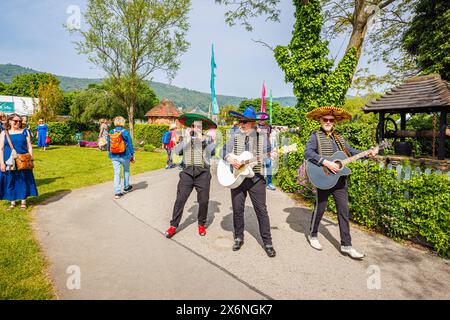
(339, 163)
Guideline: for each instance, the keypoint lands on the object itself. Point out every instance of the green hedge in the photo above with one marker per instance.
(61, 133)
(406, 209)
(150, 133)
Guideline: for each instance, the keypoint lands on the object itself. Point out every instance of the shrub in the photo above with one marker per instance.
(90, 135)
(150, 133)
(61, 133)
(149, 148)
(359, 135)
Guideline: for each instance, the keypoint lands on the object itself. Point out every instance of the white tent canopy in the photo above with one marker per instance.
(23, 106)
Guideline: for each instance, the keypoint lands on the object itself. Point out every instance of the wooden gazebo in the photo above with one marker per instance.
(422, 94)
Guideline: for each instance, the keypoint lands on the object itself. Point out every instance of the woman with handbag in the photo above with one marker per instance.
(16, 163)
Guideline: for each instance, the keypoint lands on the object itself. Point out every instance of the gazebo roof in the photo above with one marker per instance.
(165, 108)
(417, 94)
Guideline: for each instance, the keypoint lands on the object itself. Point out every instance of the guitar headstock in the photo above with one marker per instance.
(385, 144)
(288, 149)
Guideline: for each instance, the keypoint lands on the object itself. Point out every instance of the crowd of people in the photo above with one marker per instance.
(250, 132)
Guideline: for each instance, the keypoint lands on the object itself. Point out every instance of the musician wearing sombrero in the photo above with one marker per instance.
(324, 142)
(248, 139)
(196, 152)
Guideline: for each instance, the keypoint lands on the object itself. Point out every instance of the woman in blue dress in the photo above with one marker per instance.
(15, 184)
(42, 133)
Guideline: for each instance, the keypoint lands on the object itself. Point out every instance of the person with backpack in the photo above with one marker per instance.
(121, 153)
(168, 142)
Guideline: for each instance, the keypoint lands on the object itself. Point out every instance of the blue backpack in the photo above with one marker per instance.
(166, 137)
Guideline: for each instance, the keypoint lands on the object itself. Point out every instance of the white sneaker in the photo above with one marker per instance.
(314, 242)
(351, 252)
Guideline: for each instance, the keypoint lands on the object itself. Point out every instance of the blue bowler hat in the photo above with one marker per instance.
(250, 114)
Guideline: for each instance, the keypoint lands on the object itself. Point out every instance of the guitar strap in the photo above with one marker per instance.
(340, 143)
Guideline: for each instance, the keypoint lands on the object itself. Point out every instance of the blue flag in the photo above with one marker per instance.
(215, 105)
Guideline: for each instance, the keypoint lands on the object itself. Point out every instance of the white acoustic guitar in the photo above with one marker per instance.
(231, 177)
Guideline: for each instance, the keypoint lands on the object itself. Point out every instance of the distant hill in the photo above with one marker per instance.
(182, 97)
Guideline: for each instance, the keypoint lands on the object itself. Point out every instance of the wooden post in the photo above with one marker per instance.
(381, 124)
(442, 128)
(402, 124)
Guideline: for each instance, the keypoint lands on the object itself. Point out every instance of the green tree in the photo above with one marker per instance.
(67, 102)
(95, 103)
(224, 114)
(376, 25)
(98, 102)
(306, 64)
(51, 98)
(28, 84)
(428, 37)
(146, 100)
(3, 87)
(131, 39)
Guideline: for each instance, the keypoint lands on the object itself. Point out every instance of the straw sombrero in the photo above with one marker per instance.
(339, 113)
(187, 119)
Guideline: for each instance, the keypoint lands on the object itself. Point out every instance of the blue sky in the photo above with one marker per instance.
(33, 36)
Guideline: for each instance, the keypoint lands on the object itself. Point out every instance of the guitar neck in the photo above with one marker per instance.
(250, 160)
(355, 157)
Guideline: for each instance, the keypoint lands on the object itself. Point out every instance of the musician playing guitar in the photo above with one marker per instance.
(323, 143)
(248, 139)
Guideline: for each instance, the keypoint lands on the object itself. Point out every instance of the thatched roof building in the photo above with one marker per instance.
(164, 113)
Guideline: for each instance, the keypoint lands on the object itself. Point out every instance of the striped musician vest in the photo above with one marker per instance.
(193, 154)
(256, 150)
(325, 144)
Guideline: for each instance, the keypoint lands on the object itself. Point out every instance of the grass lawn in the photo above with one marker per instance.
(59, 169)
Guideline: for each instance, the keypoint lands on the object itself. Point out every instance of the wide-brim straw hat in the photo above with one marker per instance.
(187, 119)
(339, 113)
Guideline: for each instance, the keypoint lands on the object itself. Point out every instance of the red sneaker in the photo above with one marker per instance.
(170, 232)
(202, 230)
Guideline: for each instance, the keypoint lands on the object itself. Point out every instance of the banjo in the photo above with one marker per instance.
(231, 177)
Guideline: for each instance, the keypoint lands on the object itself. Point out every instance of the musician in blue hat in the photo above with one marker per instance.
(248, 139)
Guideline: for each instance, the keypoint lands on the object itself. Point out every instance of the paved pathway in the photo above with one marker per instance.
(122, 254)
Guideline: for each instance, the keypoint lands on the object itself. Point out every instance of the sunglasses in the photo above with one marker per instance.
(328, 120)
(17, 121)
(244, 121)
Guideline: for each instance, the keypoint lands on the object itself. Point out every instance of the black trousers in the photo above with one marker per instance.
(340, 195)
(256, 188)
(186, 184)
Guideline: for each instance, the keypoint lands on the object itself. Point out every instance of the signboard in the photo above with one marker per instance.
(6, 107)
(23, 106)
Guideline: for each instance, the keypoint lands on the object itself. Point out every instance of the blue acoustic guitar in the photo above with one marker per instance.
(323, 178)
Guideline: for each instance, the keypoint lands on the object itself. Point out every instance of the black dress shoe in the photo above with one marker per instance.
(270, 251)
(237, 244)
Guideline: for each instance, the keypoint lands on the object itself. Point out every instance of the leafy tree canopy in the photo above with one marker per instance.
(98, 102)
(131, 39)
(428, 37)
(28, 84)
